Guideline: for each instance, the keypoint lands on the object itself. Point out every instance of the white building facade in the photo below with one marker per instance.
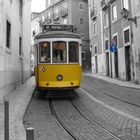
(109, 28)
(14, 44)
(136, 35)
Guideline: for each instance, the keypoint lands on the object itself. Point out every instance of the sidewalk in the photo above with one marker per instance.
(18, 102)
(113, 80)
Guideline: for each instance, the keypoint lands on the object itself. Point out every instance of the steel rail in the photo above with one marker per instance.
(59, 122)
(95, 123)
(109, 94)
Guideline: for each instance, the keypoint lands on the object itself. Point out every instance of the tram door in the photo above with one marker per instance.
(127, 63)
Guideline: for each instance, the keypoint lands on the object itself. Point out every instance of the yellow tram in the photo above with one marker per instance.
(58, 58)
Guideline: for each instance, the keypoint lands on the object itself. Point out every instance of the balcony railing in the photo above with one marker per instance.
(104, 4)
(55, 16)
(64, 12)
(47, 20)
(41, 22)
(110, 1)
(93, 14)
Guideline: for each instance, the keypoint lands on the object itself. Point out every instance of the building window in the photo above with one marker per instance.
(49, 2)
(81, 6)
(43, 19)
(33, 33)
(106, 45)
(8, 34)
(82, 36)
(48, 19)
(125, 4)
(81, 20)
(49, 15)
(83, 55)
(106, 19)
(20, 8)
(20, 46)
(55, 0)
(126, 36)
(65, 21)
(114, 12)
(95, 47)
(95, 28)
(64, 5)
(115, 38)
(56, 13)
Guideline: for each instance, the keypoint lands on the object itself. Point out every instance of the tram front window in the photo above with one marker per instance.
(73, 52)
(59, 52)
(44, 56)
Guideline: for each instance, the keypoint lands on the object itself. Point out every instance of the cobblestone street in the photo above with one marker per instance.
(105, 106)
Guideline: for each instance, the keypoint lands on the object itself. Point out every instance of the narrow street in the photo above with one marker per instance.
(87, 50)
(99, 110)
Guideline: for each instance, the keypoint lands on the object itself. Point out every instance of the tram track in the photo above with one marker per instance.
(59, 122)
(93, 125)
(111, 95)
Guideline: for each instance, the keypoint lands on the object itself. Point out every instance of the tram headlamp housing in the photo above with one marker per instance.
(59, 77)
(43, 69)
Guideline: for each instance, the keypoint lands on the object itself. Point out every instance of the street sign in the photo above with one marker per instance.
(113, 47)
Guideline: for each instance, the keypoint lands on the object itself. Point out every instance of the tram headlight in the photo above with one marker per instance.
(59, 77)
(43, 69)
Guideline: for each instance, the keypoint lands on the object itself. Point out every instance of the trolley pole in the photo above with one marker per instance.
(30, 133)
(6, 119)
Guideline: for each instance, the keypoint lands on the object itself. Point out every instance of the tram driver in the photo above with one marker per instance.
(58, 55)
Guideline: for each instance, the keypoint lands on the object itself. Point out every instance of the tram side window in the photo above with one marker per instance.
(44, 52)
(73, 52)
(59, 52)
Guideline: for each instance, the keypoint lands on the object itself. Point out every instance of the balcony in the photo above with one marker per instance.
(110, 1)
(104, 4)
(41, 22)
(64, 12)
(55, 16)
(93, 14)
(48, 20)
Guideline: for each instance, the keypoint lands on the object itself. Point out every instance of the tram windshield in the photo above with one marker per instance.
(59, 52)
(73, 52)
(44, 53)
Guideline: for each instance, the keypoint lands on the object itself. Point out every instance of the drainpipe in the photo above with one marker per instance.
(110, 36)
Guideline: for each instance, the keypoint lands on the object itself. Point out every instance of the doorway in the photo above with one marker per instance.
(116, 64)
(107, 64)
(127, 63)
(96, 64)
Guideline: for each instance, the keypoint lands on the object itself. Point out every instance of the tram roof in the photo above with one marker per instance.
(57, 34)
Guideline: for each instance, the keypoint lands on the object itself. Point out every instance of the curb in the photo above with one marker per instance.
(114, 81)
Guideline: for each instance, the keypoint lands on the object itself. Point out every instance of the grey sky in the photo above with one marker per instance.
(37, 5)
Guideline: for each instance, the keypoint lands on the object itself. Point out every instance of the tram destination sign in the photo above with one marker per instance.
(57, 27)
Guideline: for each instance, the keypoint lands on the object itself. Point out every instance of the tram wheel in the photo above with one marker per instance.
(42, 94)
